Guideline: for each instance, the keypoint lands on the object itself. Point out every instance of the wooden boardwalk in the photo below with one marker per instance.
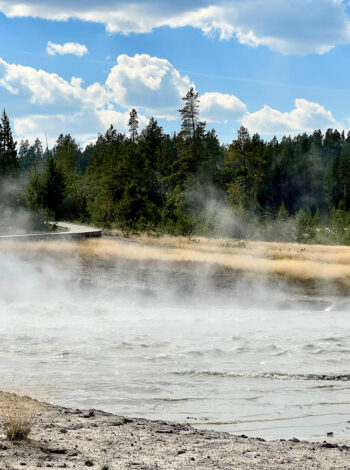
(69, 231)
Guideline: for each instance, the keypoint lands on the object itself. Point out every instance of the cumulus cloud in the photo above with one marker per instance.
(118, 119)
(73, 48)
(305, 117)
(147, 83)
(290, 27)
(50, 88)
(90, 109)
(83, 126)
(220, 107)
(151, 85)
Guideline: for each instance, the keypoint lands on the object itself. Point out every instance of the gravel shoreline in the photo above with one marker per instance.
(68, 438)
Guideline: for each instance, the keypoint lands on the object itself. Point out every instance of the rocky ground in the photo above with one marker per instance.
(67, 438)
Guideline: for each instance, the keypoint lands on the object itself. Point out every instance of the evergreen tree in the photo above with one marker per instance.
(282, 212)
(53, 189)
(151, 141)
(244, 169)
(133, 125)
(46, 191)
(23, 148)
(8, 153)
(288, 187)
(212, 161)
(157, 148)
(190, 114)
(26, 157)
(67, 154)
(39, 154)
(31, 155)
(34, 190)
(189, 143)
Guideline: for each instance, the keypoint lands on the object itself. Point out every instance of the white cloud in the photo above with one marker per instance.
(50, 88)
(82, 125)
(305, 117)
(150, 84)
(219, 107)
(43, 87)
(147, 83)
(87, 110)
(73, 48)
(118, 119)
(290, 27)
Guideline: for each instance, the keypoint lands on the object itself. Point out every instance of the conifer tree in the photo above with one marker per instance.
(244, 165)
(8, 154)
(133, 125)
(66, 153)
(38, 152)
(151, 142)
(26, 156)
(190, 114)
(53, 184)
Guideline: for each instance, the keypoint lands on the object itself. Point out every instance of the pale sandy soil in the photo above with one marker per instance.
(67, 438)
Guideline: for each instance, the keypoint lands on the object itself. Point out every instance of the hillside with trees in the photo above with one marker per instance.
(293, 189)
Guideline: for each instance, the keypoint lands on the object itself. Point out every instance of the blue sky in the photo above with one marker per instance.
(275, 66)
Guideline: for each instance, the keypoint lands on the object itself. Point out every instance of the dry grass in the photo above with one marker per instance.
(18, 427)
(18, 416)
(283, 260)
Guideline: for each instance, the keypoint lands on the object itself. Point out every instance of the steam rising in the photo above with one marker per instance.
(292, 261)
(15, 218)
(140, 327)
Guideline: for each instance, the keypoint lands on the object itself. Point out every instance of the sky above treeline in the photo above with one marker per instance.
(77, 66)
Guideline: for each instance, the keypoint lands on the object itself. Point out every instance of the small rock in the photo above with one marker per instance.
(49, 450)
(329, 445)
(72, 453)
(89, 414)
(89, 463)
(123, 421)
(164, 431)
(330, 434)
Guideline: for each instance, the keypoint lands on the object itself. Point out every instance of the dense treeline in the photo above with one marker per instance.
(297, 188)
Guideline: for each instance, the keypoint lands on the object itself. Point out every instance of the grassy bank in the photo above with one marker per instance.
(319, 268)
